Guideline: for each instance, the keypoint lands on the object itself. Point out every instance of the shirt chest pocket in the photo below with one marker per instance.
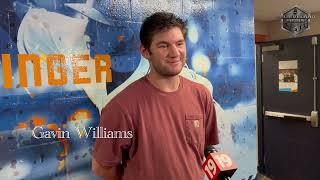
(195, 130)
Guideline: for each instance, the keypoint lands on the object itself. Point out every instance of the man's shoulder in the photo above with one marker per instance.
(129, 93)
(197, 89)
(195, 86)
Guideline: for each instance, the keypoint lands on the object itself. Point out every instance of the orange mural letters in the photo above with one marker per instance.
(7, 71)
(99, 68)
(56, 69)
(61, 69)
(77, 69)
(22, 60)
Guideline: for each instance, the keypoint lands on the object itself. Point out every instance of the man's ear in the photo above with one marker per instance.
(144, 52)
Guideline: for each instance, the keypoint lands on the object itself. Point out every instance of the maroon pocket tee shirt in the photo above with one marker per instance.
(169, 131)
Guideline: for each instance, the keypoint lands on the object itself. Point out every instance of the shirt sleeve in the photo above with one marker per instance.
(211, 129)
(109, 151)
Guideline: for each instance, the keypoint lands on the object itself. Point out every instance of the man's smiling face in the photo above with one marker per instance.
(167, 52)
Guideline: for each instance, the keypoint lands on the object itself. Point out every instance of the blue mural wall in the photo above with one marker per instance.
(220, 48)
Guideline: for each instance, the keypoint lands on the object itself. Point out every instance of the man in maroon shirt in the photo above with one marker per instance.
(171, 119)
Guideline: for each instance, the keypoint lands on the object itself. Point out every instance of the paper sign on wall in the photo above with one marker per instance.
(288, 76)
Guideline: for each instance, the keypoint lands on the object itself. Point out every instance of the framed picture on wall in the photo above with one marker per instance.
(288, 76)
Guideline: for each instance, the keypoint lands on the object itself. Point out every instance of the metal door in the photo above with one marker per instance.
(288, 143)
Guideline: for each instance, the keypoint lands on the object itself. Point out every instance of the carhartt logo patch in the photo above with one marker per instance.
(196, 123)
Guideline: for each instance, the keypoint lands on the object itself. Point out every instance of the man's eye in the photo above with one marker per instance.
(180, 43)
(163, 46)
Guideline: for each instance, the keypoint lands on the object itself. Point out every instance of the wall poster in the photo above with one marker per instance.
(288, 76)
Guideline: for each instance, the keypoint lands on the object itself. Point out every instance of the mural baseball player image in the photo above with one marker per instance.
(53, 81)
(172, 118)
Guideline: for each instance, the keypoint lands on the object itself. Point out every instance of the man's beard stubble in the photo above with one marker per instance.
(167, 71)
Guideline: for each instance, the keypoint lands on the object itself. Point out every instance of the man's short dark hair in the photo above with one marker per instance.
(157, 22)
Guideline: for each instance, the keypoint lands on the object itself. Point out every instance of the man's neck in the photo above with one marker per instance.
(164, 83)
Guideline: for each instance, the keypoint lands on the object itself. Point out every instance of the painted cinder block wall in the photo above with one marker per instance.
(220, 48)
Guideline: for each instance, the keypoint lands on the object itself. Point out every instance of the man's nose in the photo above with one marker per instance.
(173, 51)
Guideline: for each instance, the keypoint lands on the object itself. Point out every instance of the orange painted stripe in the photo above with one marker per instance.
(260, 38)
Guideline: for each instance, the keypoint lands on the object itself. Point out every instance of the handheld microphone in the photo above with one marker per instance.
(218, 165)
